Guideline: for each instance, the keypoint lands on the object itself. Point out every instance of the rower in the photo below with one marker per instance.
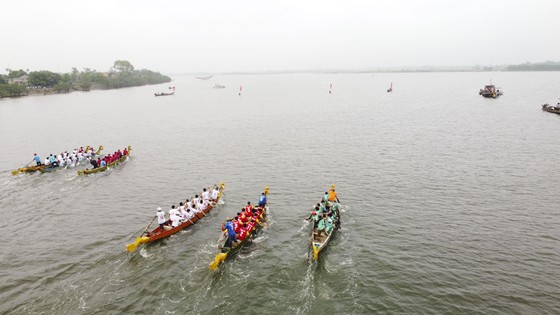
(326, 196)
(262, 200)
(243, 232)
(215, 193)
(205, 194)
(47, 161)
(174, 217)
(202, 205)
(103, 162)
(37, 159)
(322, 225)
(196, 200)
(249, 207)
(161, 218)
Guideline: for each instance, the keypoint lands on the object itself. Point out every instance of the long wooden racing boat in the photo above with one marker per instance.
(320, 240)
(225, 252)
(106, 167)
(158, 233)
(550, 109)
(47, 168)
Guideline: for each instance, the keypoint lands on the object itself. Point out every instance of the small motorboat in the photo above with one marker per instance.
(490, 91)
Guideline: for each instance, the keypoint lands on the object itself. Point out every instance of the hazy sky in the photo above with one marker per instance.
(223, 36)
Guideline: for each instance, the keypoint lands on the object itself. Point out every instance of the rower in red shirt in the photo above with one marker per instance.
(236, 225)
(125, 151)
(243, 232)
(249, 207)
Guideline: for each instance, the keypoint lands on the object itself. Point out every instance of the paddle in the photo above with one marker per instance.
(140, 240)
(15, 172)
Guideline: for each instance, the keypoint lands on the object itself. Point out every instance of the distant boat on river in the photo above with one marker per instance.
(206, 77)
(490, 91)
(219, 86)
(390, 89)
(163, 94)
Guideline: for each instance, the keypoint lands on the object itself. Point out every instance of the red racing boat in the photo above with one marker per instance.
(158, 233)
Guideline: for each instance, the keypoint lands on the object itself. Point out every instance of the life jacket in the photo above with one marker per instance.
(236, 226)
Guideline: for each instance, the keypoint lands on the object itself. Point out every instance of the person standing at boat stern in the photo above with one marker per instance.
(37, 159)
(262, 200)
(160, 218)
(230, 231)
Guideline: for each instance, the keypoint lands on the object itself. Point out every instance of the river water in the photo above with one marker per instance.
(449, 200)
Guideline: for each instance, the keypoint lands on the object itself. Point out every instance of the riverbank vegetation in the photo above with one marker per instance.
(122, 74)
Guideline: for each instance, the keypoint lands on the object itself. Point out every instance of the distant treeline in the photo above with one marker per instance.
(541, 66)
(122, 74)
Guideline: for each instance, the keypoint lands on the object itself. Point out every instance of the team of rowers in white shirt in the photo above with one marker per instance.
(66, 158)
(187, 210)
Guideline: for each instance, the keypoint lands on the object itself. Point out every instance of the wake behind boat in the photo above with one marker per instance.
(185, 215)
(326, 220)
(240, 230)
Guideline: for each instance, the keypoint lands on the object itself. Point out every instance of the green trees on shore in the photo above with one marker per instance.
(122, 74)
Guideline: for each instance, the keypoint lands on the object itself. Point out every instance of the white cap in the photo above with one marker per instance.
(158, 208)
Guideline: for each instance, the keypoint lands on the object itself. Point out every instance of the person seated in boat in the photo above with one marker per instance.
(257, 213)
(125, 152)
(196, 200)
(558, 105)
(248, 212)
(323, 206)
(47, 161)
(243, 232)
(313, 217)
(215, 193)
(174, 216)
(249, 207)
(205, 194)
(93, 163)
(202, 205)
(231, 237)
(329, 224)
(37, 159)
(326, 196)
(103, 162)
(236, 224)
(189, 203)
(242, 216)
(162, 221)
(262, 200)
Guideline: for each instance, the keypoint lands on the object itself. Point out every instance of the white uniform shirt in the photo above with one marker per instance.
(215, 194)
(174, 219)
(161, 217)
(47, 161)
(205, 195)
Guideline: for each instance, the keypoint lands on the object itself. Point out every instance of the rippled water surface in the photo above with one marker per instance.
(450, 200)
